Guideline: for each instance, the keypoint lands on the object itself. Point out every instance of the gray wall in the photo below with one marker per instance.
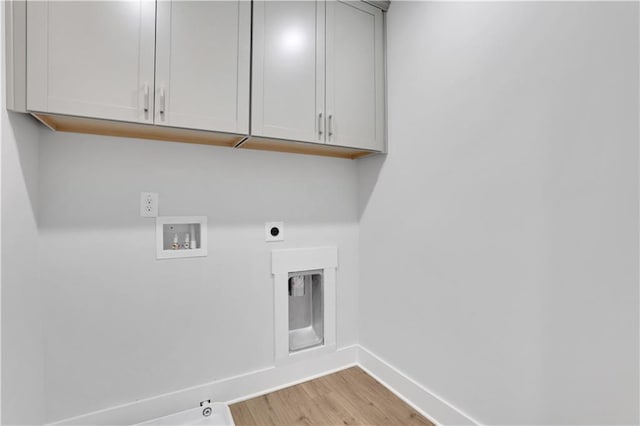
(121, 325)
(22, 330)
(22, 340)
(499, 239)
(22, 336)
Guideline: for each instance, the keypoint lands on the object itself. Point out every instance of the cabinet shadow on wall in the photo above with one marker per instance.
(94, 182)
(369, 169)
(25, 138)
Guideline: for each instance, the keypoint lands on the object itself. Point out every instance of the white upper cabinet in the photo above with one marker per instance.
(170, 63)
(288, 70)
(91, 58)
(355, 80)
(280, 70)
(318, 73)
(202, 65)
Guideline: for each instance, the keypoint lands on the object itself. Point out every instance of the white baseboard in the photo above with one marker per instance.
(259, 382)
(228, 390)
(422, 399)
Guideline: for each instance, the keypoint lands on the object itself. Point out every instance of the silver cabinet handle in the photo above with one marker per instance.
(320, 124)
(330, 125)
(162, 101)
(146, 97)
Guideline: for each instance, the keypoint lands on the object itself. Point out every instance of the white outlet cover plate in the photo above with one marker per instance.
(268, 236)
(149, 204)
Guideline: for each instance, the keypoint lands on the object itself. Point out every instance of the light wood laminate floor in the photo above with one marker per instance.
(348, 397)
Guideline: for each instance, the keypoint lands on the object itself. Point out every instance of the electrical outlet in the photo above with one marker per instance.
(273, 231)
(149, 204)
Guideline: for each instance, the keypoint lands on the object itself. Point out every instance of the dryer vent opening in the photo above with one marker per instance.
(306, 310)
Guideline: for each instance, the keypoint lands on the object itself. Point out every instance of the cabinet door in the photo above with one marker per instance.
(91, 58)
(202, 71)
(288, 70)
(355, 75)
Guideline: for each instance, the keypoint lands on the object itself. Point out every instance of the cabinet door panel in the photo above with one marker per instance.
(355, 81)
(288, 70)
(202, 72)
(92, 59)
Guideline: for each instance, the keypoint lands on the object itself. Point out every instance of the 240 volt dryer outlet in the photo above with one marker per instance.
(273, 231)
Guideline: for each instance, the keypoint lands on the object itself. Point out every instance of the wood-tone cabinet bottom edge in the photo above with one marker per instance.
(74, 124)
